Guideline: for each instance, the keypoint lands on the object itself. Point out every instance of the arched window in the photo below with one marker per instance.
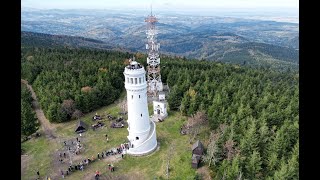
(131, 96)
(135, 80)
(140, 80)
(141, 115)
(139, 96)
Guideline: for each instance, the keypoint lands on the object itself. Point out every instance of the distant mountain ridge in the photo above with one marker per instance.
(225, 39)
(49, 40)
(222, 47)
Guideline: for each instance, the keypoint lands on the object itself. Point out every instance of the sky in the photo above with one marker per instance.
(183, 5)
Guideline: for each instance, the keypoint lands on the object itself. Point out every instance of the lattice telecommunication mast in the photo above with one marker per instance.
(153, 59)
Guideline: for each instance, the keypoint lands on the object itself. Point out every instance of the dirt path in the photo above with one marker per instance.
(47, 127)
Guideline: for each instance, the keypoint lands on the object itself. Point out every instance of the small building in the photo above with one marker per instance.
(195, 161)
(197, 148)
(81, 127)
(160, 109)
(162, 96)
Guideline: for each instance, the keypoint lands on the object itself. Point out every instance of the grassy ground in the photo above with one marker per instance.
(39, 156)
(41, 152)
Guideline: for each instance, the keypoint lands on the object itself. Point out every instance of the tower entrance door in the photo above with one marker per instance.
(158, 111)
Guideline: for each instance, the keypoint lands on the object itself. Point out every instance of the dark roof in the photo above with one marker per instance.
(196, 145)
(81, 124)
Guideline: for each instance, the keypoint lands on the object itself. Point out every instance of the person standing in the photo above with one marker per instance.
(62, 174)
(97, 174)
(38, 174)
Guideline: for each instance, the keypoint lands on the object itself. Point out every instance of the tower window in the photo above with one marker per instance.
(131, 96)
(135, 80)
(137, 138)
(141, 115)
(139, 80)
(139, 96)
(131, 79)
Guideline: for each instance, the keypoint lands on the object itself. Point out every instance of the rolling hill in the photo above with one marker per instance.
(214, 46)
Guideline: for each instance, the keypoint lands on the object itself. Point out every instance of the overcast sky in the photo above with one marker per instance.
(160, 4)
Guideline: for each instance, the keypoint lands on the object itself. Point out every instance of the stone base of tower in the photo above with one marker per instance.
(148, 146)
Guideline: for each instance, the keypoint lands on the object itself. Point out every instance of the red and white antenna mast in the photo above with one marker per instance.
(153, 59)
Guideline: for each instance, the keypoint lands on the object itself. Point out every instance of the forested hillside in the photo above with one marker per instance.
(47, 40)
(29, 122)
(209, 45)
(253, 114)
(69, 82)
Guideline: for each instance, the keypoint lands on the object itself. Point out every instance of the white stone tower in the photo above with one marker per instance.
(142, 131)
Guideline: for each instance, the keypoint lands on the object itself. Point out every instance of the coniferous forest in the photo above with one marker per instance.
(253, 113)
(70, 82)
(29, 122)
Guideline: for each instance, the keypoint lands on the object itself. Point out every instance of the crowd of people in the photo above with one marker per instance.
(81, 165)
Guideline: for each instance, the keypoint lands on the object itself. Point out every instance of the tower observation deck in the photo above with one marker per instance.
(142, 131)
(153, 59)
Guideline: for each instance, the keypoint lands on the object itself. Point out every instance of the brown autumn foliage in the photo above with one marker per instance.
(197, 119)
(86, 89)
(68, 106)
(103, 69)
(230, 149)
(30, 58)
(195, 123)
(126, 62)
(139, 55)
(77, 114)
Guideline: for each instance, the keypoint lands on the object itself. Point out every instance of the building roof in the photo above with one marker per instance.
(160, 102)
(134, 65)
(81, 124)
(197, 144)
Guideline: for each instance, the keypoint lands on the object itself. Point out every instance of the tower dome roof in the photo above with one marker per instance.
(134, 65)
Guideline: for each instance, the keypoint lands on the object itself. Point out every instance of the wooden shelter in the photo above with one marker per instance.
(195, 161)
(197, 148)
(81, 127)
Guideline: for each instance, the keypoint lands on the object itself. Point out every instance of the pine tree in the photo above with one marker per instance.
(249, 142)
(282, 173)
(253, 166)
(29, 123)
